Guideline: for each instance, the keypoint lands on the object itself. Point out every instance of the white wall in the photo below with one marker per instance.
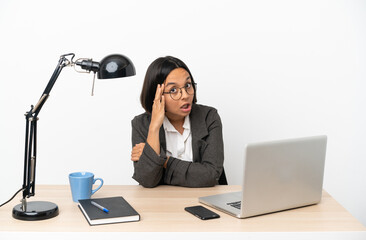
(273, 69)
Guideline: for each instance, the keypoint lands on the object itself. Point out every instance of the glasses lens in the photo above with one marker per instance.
(176, 96)
(189, 89)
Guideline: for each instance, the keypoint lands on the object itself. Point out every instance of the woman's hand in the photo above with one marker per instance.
(137, 151)
(157, 118)
(158, 108)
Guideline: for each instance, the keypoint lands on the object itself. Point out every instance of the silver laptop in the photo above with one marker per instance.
(278, 175)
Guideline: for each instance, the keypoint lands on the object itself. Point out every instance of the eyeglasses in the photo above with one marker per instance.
(176, 93)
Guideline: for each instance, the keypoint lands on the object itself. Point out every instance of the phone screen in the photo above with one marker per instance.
(202, 212)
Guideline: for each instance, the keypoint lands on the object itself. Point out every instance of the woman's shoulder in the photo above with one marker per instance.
(207, 115)
(203, 109)
(141, 120)
(204, 113)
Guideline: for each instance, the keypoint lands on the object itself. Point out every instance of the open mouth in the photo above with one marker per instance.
(185, 106)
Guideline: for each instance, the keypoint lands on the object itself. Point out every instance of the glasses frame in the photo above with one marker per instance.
(194, 85)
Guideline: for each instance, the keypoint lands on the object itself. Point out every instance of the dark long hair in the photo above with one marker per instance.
(156, 74)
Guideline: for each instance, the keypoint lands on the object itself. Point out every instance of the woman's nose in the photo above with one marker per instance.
(184, 93)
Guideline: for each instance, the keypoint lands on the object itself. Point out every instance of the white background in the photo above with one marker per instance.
(273, 69)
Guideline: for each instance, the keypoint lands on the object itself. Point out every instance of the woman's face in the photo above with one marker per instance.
(176, 83)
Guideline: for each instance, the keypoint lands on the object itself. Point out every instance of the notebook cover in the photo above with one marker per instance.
(119, 210)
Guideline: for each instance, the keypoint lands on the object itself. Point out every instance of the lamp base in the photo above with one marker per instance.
(37, 210)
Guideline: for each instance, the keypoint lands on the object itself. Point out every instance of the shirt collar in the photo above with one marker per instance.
(187, 123)
(170, 128)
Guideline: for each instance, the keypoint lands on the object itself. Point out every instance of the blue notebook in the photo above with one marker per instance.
(119, 211)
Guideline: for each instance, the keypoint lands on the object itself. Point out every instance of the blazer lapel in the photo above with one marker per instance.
(199, 132)
(162, 140)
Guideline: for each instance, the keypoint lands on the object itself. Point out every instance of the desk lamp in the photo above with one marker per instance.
(112, 66)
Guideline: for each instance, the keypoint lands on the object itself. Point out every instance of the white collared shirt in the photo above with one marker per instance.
(178, 145)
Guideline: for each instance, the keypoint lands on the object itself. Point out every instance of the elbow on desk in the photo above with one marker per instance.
(147, 183)
(192, 174)
(208, 177)
(209, 182)
(192, 184)
(195, 181)
(187, 184)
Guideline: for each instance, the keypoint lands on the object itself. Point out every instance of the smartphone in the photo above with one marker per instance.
(202, 212)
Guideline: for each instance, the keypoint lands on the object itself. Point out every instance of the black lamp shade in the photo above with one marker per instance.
(116, 66)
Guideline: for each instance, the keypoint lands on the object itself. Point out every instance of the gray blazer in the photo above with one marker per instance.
(207, 147)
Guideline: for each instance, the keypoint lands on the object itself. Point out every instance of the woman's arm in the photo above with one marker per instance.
(157, 118)
(148, 167)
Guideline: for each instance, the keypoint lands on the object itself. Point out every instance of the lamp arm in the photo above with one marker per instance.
(30, 151)
(63, 62)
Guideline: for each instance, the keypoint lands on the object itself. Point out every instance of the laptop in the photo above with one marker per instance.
(278, 175)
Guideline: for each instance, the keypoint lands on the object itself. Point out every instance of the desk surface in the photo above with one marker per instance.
(162, 210)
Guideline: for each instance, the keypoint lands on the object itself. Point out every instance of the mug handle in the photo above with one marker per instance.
(101, 184)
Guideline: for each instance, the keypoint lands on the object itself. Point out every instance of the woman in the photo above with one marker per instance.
(176, 141)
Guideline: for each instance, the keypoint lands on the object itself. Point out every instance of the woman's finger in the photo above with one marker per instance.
(162, 88)
(157, 90)
(141, 144)
(163, 101)
(136, 154)
(137, 151)
(135, 159)
(157, 94)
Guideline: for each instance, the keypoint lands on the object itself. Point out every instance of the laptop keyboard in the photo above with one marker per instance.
(235, 204)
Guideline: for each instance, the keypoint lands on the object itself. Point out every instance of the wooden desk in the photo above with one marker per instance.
(162, 210)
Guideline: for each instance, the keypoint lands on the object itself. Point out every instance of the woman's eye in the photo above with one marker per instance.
(173, 90)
